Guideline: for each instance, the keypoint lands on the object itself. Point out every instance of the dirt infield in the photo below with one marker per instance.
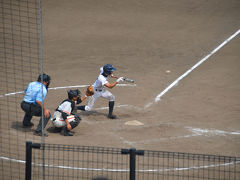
(144, 39)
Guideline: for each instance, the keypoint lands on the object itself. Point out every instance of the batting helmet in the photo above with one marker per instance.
(108, 69)
(73, 93)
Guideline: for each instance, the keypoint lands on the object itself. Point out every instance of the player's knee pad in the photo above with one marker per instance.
(77, 118)
(76, 121)
(74, 124)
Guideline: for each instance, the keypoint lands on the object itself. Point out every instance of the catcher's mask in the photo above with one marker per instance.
(108, 69)
(44, 77)
(74, 93)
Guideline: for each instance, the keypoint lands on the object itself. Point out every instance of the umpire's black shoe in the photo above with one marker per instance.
(27, 124)
(39, 133)
(110, 116)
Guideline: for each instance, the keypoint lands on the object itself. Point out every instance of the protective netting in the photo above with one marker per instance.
(19, 64)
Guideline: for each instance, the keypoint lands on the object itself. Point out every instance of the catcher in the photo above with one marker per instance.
(64, 120)
(99, 90)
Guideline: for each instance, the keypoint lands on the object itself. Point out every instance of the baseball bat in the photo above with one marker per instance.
(128, 80)
(125, 79)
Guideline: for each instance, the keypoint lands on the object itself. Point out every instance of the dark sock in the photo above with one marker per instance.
(82, 108)
(111, 105)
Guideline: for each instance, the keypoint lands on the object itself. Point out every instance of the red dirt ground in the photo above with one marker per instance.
(143, 39)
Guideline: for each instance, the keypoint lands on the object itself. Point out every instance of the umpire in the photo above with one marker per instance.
(35, 94)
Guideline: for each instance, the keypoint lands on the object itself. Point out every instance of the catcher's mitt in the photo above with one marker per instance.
(89, 91)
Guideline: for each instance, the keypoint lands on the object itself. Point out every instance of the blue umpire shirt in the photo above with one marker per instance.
(33, 92)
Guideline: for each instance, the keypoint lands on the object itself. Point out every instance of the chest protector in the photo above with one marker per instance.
(72, 104)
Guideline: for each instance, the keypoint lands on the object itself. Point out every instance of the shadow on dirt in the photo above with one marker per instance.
(19, 127)
(54, 129)
(91, 113)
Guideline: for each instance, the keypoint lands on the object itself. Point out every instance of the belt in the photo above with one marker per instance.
(98, 90)
(27, 102)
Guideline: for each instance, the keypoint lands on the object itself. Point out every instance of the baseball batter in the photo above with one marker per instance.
(99, 90)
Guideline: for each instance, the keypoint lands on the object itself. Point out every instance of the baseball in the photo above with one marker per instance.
(168, 71)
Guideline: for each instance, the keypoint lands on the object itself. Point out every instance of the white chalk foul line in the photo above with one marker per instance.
(65, 87)
(209, 132)
(10, 94)
(195, 132)
(158, 97)
(124, 170)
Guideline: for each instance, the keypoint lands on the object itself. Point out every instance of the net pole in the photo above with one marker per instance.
(42, 70)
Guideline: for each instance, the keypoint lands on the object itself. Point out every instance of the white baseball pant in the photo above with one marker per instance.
(98, 93)
(58, 121)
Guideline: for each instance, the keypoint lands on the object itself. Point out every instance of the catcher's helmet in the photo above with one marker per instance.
(108, 69)
(73, 93)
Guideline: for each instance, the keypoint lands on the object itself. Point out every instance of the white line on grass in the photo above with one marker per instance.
(158, 97)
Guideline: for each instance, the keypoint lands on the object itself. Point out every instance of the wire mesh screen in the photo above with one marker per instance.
(82, 162)
(79, 162)
(19, 64)
(169, 165)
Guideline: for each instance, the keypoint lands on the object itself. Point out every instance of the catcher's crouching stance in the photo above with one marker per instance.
(63, 119)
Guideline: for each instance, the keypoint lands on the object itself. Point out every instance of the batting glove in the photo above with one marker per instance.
(120, 79)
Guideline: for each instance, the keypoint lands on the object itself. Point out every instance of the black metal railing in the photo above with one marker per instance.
(84, 162)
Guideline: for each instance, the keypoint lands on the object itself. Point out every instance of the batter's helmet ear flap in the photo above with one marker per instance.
(108, 69)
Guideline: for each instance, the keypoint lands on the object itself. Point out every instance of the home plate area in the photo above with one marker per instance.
(134, 123)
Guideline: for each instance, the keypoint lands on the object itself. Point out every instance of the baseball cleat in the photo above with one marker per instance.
(66, 132)
(110, 116)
